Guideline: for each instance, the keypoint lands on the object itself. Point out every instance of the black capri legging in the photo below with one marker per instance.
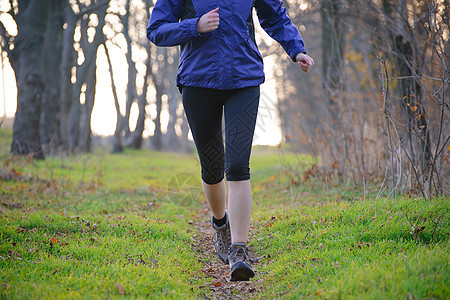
(204, 108)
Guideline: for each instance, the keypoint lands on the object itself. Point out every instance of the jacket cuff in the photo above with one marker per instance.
(192, 23)
(297, 51)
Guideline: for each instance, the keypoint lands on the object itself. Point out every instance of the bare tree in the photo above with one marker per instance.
(117, 140)
(333, 46)
(68, 61)
(26, 61)
(52, 59)
(356, 142)
(84, 87)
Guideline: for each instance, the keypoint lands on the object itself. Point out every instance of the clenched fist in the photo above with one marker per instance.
(208, 22)
(304, 61)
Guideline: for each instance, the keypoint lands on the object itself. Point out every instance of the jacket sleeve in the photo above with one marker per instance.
(165, 28)
(273, 18)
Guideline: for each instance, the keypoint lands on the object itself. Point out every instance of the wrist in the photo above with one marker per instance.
(196, 26)
(296, 55)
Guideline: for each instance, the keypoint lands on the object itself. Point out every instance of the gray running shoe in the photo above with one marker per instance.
(222, 240)
(239, 263)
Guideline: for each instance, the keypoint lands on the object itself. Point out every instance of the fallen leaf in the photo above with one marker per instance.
(119, 289)
(217, 284)
(17, 173)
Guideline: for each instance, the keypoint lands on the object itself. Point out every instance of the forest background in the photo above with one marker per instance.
(376, 99)
(374, 106)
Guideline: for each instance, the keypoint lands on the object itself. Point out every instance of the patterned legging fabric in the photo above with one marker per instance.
(204, 109)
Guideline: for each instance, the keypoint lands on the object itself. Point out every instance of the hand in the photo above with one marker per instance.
(208, 22)
(304, 61)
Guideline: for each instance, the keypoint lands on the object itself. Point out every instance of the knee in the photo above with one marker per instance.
(212, 178)
(212, 162)
(237, 171)
(212, 174)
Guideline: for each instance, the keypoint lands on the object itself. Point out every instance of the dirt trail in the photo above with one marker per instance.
(219, 285)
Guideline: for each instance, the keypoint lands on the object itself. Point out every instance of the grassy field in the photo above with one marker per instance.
(112, 226)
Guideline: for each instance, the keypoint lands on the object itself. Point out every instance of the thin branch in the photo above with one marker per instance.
(415, 77)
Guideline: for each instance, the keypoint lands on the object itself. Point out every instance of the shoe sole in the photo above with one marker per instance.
(241, 272)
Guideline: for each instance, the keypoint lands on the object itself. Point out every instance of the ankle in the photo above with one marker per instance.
(220, 222)
(239, 244)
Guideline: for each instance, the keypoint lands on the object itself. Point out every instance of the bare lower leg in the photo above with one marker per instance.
(239, 209)
(215, 195)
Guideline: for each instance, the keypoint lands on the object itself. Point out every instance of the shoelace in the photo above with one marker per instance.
(240, 252)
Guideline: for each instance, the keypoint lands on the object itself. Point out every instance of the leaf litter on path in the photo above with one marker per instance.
(220, 286)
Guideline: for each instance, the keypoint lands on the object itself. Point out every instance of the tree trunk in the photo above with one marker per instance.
(411, 93)
(172, 140)
(66, 88)
(333, 41)
(157, 136)
(132, 73)
(135, 138)
(31, 24)
(84, 143)
(117, 139)
(158, 80)
(80, 114)
(409, 89)
(82, 76)
(50, 118)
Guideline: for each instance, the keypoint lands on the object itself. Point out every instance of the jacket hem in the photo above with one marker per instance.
(214, 85)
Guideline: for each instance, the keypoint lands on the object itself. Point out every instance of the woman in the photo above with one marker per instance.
(220, 71)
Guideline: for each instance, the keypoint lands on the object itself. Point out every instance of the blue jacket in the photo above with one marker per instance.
(226, 58)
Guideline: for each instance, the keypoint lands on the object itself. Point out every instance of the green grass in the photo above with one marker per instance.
(97, 226)
(5, 140)
(117, 225)
(363, 250)
(52, 255)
